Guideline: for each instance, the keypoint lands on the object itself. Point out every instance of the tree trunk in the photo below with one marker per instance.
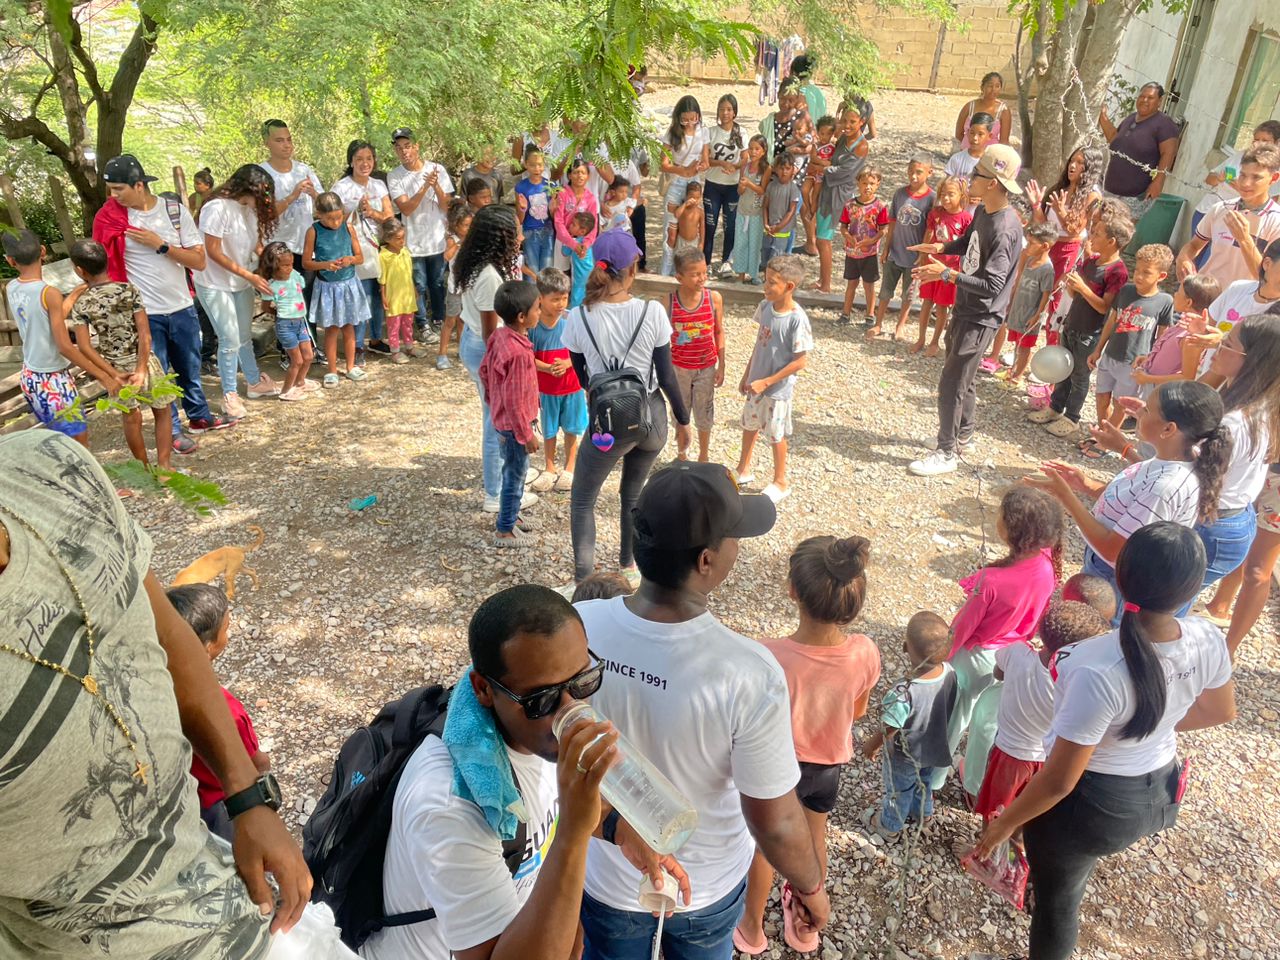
(1081, 54)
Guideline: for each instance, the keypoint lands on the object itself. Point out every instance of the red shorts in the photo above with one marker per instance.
(942, 294)
(1027, 340)
(1006, 778)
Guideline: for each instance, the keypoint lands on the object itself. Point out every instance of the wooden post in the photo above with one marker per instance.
(60, 212)
(11, 202)
(180, 184)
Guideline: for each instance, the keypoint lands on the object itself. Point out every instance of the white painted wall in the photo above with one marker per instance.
(1146, 53)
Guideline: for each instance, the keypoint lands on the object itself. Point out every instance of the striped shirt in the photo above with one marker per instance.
(693, 333)
(1149, 491)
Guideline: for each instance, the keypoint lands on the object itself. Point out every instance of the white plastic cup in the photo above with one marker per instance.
(661, 901)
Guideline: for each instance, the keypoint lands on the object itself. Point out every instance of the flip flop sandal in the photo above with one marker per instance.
(750, 949)
(1090, 450)
(790, 927)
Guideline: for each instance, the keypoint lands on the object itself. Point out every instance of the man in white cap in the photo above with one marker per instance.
(984, 283)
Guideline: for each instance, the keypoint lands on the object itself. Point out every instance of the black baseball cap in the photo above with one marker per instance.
(125, 169)
(399, 132)
(689, 505)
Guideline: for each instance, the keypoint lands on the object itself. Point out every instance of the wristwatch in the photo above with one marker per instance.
(263, 792)
(162, 249)
(948, 275)
(609, 829)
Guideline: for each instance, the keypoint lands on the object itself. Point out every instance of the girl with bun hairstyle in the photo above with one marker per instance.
(1005, 601)
(830, 674)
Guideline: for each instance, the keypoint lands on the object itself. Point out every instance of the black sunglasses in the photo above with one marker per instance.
(546, 700)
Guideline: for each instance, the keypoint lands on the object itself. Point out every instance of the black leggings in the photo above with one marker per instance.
(1104, 814)
(593, 466)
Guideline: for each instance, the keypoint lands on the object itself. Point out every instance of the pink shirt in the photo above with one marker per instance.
(825, 684)
(1005, 603)
(567, 205)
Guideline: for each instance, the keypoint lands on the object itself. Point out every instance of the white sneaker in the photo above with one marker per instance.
(744, 478)
(492, 504)
(531, 474)
(233, 406)
(443, 363)
(1047, 415)
(265, 387)
(967, 446)
(934, 464)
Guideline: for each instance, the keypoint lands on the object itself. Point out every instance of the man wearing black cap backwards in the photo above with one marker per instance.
(709, 708)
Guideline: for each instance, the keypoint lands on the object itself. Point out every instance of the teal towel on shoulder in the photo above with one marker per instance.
(481, 767)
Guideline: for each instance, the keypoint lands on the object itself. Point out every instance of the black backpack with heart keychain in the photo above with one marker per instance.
(617, 396)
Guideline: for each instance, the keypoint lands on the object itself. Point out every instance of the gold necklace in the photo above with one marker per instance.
(88, 682)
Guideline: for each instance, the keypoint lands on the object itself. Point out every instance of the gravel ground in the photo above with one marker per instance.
(354, 608)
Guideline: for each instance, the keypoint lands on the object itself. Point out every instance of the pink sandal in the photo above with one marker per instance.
(752, 950)
(790, 931)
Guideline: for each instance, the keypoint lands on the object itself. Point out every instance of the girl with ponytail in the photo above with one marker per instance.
(1182, 421)
(829, 674)
(1005, 603)
(1112, 776)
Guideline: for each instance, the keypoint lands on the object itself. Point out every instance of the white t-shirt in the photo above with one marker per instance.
(1236, 302)
(707, 707)
(441, 854)
(1226, 262)
(961, 164)
(1247, 471)
(718, 139)
(1225, 192)
(612, 325)
(1094, 697)
(690, 150)
(1026, 702)
(424, 228)
(237, 226)
(299, 215)
(1145, 492)
(160, 280)
(367, 229)
(478, 298)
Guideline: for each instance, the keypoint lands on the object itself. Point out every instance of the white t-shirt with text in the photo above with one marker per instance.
(424, 228)
(237, 226)
(1094, 695)
(707, 707)
(160, 280)
(299, 215)
(441, 854)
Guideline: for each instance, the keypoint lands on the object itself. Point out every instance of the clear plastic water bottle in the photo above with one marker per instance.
(643, 797)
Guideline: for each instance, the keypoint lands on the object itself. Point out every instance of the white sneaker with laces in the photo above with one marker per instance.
(933, 465)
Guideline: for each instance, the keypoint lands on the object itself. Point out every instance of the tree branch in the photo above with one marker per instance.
(76, 45)
(132, 62)
(34, 128)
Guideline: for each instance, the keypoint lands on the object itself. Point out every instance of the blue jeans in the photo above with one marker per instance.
(1226, 543)
(705, 934)
(375, 325)
(538, 247)
(771, 246)
(232, 317)
(715, 198)
(175, 340)
(428, 280)
(471, 353)
(515, 461)
(908, 793)
(1096, 566)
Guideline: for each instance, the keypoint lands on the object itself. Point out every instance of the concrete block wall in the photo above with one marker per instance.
(984, 41)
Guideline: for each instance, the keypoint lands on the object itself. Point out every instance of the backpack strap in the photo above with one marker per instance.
(175, 216)
(582, 312)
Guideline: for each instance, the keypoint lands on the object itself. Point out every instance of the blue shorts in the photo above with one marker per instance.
(49, 394)
(567, 412)
(292, 333)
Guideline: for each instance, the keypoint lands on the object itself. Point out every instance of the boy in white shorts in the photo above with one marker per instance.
(781, 351)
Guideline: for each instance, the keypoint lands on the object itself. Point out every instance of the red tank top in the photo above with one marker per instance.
(693, 334)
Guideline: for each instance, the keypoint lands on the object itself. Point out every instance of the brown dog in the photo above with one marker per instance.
(228, 561)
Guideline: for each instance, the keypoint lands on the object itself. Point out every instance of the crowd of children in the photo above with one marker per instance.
(979, 675)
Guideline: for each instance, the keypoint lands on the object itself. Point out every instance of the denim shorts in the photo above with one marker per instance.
(292, 333)
(567, 412)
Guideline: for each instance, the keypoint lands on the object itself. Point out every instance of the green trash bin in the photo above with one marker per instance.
(1159, 222)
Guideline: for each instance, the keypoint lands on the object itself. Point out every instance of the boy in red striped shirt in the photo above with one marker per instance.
(510, 381)
(697, 344)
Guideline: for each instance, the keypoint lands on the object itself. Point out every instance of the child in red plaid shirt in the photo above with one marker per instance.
(510, 381)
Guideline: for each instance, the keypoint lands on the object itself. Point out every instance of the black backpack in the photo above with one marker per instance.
(618, 396)
(345, 840)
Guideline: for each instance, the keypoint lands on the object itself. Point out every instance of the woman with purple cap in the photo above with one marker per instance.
(628, 341)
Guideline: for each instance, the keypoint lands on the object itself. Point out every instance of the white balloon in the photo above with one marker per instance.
(1052, 364)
